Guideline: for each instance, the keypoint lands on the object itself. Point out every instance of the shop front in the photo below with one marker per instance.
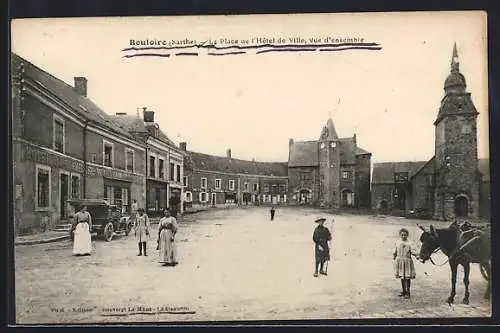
(157, 197)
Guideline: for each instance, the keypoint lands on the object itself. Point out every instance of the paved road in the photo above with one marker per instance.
(237, 265)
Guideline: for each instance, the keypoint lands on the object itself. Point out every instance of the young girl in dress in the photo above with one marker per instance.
(403, 263)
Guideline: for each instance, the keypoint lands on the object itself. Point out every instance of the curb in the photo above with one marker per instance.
(43, 241)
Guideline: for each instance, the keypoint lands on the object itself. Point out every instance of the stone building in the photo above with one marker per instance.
(63, 147)
(330, 172)
(454, 182)
(217, 180)
(164, 162)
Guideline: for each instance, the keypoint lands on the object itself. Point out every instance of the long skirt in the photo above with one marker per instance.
(82, 242)
(168, 248)
(404, 268)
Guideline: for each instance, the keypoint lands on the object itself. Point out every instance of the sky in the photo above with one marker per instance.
(253, 103)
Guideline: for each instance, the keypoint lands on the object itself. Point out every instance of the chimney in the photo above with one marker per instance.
(228, 153)
(81, 85)
(121, 113)
(354, 139)
(290, 143)
(149, 116)
(182, 145)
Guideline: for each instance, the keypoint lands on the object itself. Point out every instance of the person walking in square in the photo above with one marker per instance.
(321, 237)
(273, 211)
(142, 228)
(403, 263)
(82, 241)
(167, 247)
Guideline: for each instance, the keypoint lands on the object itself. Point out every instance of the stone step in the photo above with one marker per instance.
(62, 227)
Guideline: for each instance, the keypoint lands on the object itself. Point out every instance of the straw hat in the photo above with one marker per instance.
(320, 219)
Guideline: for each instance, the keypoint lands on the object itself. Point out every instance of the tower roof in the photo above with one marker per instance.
(329, 132)
(455, 79)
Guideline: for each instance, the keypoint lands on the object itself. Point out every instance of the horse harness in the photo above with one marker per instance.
(457, 250)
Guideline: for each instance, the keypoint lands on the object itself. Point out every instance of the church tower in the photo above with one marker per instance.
(329, 167)
(456, 159)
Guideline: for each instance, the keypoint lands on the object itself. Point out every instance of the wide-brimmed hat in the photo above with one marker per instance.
(320, 219)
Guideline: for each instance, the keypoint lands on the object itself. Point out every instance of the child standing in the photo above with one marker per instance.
(403, 263)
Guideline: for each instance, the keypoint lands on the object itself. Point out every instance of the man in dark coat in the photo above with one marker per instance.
(321, 237)
(272, 213)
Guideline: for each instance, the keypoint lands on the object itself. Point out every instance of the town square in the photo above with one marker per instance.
(305, 181)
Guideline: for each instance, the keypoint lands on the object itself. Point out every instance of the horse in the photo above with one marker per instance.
(462, 245)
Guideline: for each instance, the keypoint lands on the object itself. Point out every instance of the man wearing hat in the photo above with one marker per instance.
(321, 237)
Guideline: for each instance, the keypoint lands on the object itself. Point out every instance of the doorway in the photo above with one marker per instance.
(63, 193)
(461, 206)
(214, 196)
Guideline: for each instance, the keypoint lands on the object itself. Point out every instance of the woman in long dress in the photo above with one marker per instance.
(141, 226)
(167, 229)
(82, 244)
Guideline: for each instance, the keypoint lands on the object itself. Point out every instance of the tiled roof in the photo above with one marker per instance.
(132, 123)
(66, 93)
(384, 172)
(484, 168)
(201, 161)
(361, 151)
(305, 153)
(431, 161)
(163, 137)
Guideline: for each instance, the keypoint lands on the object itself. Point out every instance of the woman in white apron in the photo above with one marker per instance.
(166, 240)
(82, 244)
(141, 230)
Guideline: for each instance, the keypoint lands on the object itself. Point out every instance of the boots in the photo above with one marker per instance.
(316, 267)
(408, 285)
(403, 286)
(140, 249)
(144, 248)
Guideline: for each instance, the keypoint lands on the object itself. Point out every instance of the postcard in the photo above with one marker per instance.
(253, 167)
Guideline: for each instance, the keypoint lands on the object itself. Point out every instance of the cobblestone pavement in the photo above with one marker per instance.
(238, 265)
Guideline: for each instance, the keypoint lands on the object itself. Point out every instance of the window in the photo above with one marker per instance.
(109, 194)
(203, 182)
(161, 168)
(189, 197)
(108, 154)
(217, 184)
(185, 181)
(152, 166)
(466, 128)
(178, 174)
(75, 186)
(231, 185)
(266, 188)
(203, 197)
(245, 186)
(282, 188)
(124, 199)
(58, 134)
(273, 188)
(346, 175)
(401, 176)
(172, 171)
(94, 158)
(129, 160)
(255, 187)
(42, 186)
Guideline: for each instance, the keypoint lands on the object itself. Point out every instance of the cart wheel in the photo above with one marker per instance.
(108, 232)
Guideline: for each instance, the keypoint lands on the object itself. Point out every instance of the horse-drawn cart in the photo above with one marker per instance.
(107, 219)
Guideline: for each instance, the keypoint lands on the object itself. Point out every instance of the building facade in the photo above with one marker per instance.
(64, 147)
(330, 172)
(215, 180)
(454, 182)
(164, 163)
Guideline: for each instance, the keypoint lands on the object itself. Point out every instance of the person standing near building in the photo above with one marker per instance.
(167, 229)
(321, 237)
(273, 211)
(133, 212)
(82, 244)
(142, 230)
